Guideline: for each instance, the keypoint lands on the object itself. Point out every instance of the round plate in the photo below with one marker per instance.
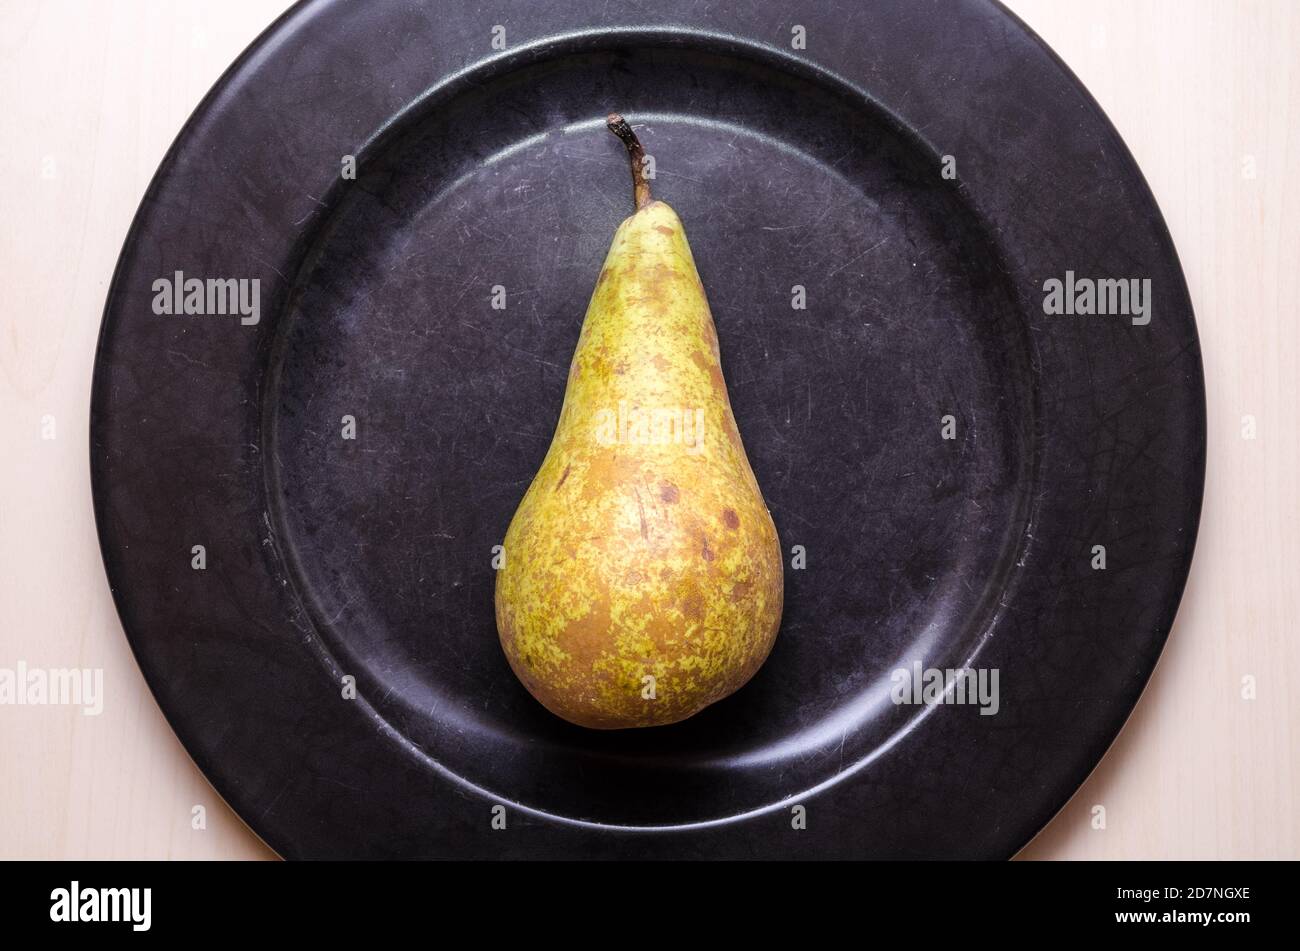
(298, 507)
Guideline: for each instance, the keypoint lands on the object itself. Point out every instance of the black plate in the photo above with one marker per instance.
(371, 557)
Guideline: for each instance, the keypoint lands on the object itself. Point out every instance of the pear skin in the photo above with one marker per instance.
(642, 577)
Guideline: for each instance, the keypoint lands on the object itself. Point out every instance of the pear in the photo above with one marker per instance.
(642, 576)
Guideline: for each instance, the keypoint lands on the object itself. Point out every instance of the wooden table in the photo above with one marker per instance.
(1207, 95)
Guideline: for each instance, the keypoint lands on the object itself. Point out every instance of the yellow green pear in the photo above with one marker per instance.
(642, 575)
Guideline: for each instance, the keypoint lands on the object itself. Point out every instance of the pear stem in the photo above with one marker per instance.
(640, 185)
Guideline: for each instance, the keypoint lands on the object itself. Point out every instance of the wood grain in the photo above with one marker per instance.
(1205, 92)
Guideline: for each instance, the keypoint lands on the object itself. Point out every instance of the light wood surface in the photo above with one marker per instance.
(92, 93)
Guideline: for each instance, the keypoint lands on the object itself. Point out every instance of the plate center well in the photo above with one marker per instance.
(510, 188)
